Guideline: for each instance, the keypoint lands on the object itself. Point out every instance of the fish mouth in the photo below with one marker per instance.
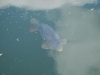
(60, 50)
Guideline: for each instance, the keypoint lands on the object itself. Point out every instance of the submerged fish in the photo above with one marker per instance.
(51, 39)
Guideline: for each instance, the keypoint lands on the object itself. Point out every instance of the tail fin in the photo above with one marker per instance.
(34, 21)
(34, 25)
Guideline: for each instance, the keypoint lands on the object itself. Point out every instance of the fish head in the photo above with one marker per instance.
(59, 48)
(55, 45)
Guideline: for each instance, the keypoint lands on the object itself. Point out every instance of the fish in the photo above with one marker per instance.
(51, 39)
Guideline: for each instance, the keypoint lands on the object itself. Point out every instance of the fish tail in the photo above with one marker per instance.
(34, 25)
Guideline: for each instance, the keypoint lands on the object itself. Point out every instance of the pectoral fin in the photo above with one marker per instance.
(44, 46)
(63, 41)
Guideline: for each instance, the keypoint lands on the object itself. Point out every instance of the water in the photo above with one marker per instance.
(21, 50)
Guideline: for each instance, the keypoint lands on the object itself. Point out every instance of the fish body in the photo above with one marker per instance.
(51, 40)
(50, 37)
